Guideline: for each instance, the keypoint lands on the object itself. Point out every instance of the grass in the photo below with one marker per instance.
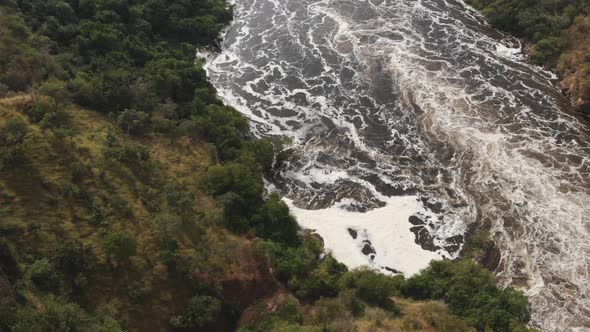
(37, 216)
(418, 316)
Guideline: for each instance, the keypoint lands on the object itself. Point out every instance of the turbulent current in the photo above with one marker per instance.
(411, 122)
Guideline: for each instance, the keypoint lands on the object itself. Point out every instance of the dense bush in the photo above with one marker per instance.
(201, 310)
(120, 246)
(541, 21)
(471, 293)
(75, 261)
(134, 122)
(301, 268)
(239, 189)
(274, 221)
(373, 287)
(43, 274)
(13, 142)
(57, 316)
(14, 132)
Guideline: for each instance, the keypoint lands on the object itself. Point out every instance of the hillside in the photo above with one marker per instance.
(69, 196)
(132, 199)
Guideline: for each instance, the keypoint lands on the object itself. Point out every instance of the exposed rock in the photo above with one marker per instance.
(414, 220)
(368, 248)
(386, 188)
(435, 207)
(424, 239)
(490, 257)
(392, 270)
(352, 233)
(454, 243)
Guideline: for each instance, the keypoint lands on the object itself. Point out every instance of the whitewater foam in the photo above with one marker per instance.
(385, 228)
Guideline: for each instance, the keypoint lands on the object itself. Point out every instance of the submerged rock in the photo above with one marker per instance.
(491, 255)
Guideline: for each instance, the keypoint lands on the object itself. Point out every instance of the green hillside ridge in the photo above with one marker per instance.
(132, 199)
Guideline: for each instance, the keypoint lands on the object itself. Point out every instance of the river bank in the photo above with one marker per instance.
(555, 36)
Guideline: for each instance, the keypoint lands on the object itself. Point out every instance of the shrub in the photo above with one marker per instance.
(301, 268)
(134, 122)
(326, 313)
(75, 261)
(56, 119)
(236, 178)
(14, 132)
(120, 246)
(180, 201)
(43, 274)
(274, 221)
(42, 107)
(166, 225)
(201, 310)
(471, 293)
(372, 286)
(55, 89)
(13, 138)
(13, 142)
(57, 315)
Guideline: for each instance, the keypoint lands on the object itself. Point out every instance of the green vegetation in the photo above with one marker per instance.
(474, 302)
(58, 316)
(132, 199)
(201, 310)
(470, 293)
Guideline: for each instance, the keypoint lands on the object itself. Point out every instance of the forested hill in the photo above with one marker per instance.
(559, 31)
(132, 199)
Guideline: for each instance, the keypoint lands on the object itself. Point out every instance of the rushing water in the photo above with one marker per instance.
(412, 120)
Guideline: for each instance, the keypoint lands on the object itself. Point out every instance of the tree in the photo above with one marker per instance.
(42, 273)
(225, 127)
(75, 261)
(134, 122)
(236, 178)
(15, 131)
(55, 89)
(373, 287)
(180, 201)
(274, 221)
(120, 245)
(471, 293)
(12, 142)
(56, 315)
(261, 151)
(201, 310)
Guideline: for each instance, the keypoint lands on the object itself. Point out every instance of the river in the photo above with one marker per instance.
(410, 122)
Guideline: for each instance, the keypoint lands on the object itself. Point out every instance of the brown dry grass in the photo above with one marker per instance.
(36, 217)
